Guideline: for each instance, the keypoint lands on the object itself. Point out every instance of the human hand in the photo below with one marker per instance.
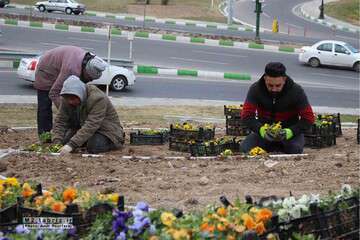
(65, 150)
(286, 134)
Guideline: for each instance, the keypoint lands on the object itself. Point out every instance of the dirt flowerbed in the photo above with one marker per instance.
(186, 184)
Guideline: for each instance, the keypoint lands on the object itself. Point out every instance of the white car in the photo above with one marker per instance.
(118, 78)
(67, 6)
(332, 53)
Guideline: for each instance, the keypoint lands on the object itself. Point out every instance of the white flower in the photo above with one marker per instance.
(304, 200)
(283, 214)
(295, 212)
(346, 189)
(289, 202)
(314, 198)
(277, 203)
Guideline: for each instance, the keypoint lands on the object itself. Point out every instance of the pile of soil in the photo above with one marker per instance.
(184, 183)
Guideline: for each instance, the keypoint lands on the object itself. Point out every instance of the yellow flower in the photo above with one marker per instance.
(220, 227)
(239, 228)
(1, 189)
(12, 182)
(167, 218)
(253, 210)
(114, 197)
(48, 201)
(230, 237)
(181, 234)
(153, 238)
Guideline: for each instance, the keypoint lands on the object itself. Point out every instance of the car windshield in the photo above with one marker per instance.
(351, 48)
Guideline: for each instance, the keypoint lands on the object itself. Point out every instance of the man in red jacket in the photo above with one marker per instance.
(272, 99)
(54, 67)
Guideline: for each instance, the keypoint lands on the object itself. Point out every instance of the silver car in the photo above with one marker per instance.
(67, 6)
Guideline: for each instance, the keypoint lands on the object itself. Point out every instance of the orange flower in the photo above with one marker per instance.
(260, 228)
(47, 193)
(239, 228)
(220, 227)
(221, 212)
(27, 190)
(230, 237)
(69, 194)
(39, 201)
(248, 221)
(58, 206)
(205, 227)
(263, 215)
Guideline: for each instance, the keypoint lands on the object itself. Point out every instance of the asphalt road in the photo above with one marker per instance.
(179, 55)
(292, 37)
(188, 88)
(288, 21)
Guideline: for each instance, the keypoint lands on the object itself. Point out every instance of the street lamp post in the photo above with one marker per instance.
(230, 12)
(321, 8)
(257, 11)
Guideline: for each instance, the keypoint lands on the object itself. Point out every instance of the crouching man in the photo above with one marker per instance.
(86, 117)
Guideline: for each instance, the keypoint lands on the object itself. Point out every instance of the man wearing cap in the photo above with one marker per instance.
(53, 68)
(86, 118)
(272, 99)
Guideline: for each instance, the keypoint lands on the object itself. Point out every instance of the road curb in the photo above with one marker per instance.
(152, 36)
(167, 21)
(152, 70)
(327, 23)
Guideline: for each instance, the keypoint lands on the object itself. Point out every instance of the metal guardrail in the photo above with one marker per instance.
(8, 55)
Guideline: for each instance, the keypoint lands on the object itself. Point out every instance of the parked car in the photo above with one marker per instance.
(66, 6)
(332, 53)
(118, 78)
(3, 3)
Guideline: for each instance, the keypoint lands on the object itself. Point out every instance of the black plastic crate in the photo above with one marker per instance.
(237, 131)
(139, 138)
(199, 134)
(179, 146)
(335, 119)
(320, 136)
(8, 217)
(235, 112)
(234, 122)
(213, 149)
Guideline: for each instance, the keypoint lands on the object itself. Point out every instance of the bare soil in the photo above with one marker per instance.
(186, 184)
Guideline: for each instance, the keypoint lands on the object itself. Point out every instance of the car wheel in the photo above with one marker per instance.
(49, 11)
(76, 13)
(356, 67)
(118, 83)
(314, 62)
(42, 8)
(68, 11)
(2, 5)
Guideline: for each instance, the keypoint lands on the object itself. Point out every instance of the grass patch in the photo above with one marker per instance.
(187, 72)
(224, 42)
(170, 22)
(142, 34)
(256, 46)
(147, 69)
(149, 20)
(191, 24)
(16, 63)
(286, 49)
(237, 76)
(11, 22)
(345, 10)
(110, 16)
(90, 14)
(130, 18)
(233, 27)
(211, 26)
(349, 118)
(115, 31)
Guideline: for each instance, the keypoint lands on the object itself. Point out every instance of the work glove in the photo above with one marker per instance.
(286, 134)
(266, 134)
(65, 150)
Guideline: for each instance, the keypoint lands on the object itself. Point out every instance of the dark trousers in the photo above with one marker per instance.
(98, 143)
(292, 146)
(44, 112)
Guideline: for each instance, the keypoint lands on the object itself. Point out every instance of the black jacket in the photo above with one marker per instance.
(290, 107)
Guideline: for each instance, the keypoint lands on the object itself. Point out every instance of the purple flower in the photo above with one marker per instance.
(138, 227)
(72, 232)
(21, 229)
(121, 236)
(143, 206)
(119, 223)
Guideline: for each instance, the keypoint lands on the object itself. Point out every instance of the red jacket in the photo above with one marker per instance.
(55, 66)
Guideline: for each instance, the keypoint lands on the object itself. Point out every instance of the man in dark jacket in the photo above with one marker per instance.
(276, 98)
(86, 118)
(56, 65)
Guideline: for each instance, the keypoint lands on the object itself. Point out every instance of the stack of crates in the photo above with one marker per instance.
(321, 135)
(335, 119)
(234, 124)
(181, 137)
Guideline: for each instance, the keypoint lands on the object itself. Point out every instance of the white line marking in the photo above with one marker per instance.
(196, 60)
(86, 39)
(332, 76)
(266, 15)
(60, 44)
(220, 54)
